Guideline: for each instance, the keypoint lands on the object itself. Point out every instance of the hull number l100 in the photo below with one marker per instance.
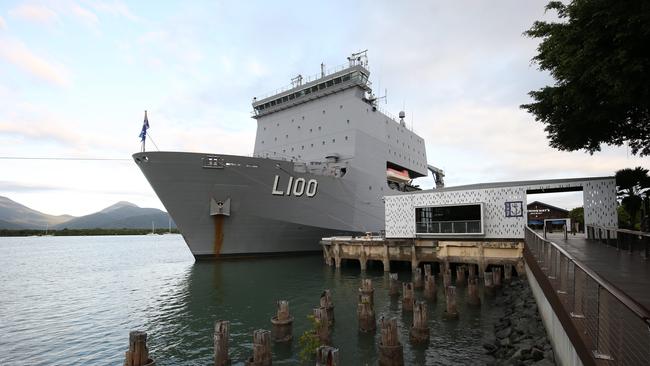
(295, 187)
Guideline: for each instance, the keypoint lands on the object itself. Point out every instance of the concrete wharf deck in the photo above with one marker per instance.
(629, 272)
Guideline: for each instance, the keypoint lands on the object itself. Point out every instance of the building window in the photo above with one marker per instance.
(449, 220)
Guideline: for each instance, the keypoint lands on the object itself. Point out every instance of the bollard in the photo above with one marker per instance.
(507, 273)
(446, 278)
(472, 270)
(430, 287)
(327, 356)
(460, 275)
(488, 277)
(322, 325)
(419, 332)
(427, 270)
(472, 291)
(452, 310)
(366, 289)
(407, 296)
(221, 335)
(390, 349)
(261, 348)
(326, 302)
(393, 289)
(138, 353)
(366, 315)
(282, 323)
(417, 278)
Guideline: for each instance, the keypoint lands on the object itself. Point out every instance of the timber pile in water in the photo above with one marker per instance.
(519, 334)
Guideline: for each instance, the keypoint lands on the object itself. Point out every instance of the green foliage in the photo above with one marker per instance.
(599, 56)
(633, 189)
(577, 215)
(308, 341)
(81, 232)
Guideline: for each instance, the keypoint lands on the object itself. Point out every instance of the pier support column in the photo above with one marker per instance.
(488, 277)
(427, 269)
(417, 278)
(366, 289)
(390, 350)
(407, 296)
(414, 258)
(430, 287)
(386, 260)
(393, 290)
(366, 314)
(327, 356)
(460, 275)
(327, 303)
(323, 327)
(363, 260)
(138, 353)
(507, 273)
(337, 255)
(282, 323)
(482, 263)
(452, 309)
(496, 273)
(472, 291)
(261, 349)
(221, 335)
(419, 332)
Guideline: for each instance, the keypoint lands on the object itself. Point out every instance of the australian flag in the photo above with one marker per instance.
(145, 126)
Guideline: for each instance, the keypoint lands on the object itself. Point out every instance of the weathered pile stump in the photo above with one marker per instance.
(460, 275)
(446, 278)
(472, 291)
(427, 269)
(366, 315)
(419, 332)
(452, 309)
(393, 289)
(261, 348)
(472, 270)
(327, 303)
(322, 325)
(417, 278)
(429, 287)
(221, 336)
(407, 296)
(138, 353)
(367, 289)
(327, 356)
(496, 273)
(390, 349)
(507, 273)
(488, 279)
(282, 330)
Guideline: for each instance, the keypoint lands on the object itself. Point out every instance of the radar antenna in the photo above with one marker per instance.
(359, 58)
(297, 81)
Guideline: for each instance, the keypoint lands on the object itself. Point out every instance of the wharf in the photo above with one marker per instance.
(415, 251)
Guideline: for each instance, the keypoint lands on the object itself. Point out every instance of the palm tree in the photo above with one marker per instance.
(632, 187)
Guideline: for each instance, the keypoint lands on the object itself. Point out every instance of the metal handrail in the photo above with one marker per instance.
(624, 231)
(621, 296)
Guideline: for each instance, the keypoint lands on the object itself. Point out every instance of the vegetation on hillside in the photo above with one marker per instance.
(83, 232)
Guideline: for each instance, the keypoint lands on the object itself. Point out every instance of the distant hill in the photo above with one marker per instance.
(120, 215)
(13, 215)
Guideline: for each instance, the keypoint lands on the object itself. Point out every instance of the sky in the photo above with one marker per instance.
(77, 75)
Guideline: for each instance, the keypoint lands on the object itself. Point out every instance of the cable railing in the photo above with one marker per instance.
(622, 239)
(614, 328)
(305, 80)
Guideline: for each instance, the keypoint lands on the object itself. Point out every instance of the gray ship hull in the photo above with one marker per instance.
(266, 214)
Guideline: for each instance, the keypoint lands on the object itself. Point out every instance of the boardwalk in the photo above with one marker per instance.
(629, 272)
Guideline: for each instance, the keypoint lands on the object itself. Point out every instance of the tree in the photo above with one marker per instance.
(577, 215)
(599, 56)
(633, 188)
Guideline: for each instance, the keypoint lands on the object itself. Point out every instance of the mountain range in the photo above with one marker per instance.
(123, 214)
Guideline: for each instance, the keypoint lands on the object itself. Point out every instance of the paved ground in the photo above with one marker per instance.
(629, 272)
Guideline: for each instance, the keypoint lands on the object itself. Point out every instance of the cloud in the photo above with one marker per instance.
(35, 13)
(115, 8)
(3, 24)
(21, 56)
(11, 186)
(86, 16)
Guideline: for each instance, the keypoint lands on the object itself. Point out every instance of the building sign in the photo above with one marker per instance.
(514, 209)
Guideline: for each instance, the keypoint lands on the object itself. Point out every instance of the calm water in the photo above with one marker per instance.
(73, 301)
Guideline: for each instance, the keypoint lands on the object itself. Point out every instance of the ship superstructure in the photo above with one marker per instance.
(325, 155)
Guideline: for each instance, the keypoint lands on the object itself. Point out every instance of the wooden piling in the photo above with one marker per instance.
(430, 287)
(261, 348)
(507, 273)
(419, 332)
(322, 325)
(393, 289)
(390, 349)
(282, 323)
(407, 296)
(367, 289)
(496, 273)
(452, 309)
(417, 278)
(221, 336)
(488, 277)
(446, 278)
(427, 269)
(366, 315)
(472, 270)
(327, 303)
(138, 353)
(472, 291)
(460, 275)
(327, 356)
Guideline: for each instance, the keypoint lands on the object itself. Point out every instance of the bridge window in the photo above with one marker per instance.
(449, 220)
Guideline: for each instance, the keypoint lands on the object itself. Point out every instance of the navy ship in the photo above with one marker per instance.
(325, 156)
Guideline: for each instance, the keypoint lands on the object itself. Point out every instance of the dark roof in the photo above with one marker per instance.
(547, 205)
